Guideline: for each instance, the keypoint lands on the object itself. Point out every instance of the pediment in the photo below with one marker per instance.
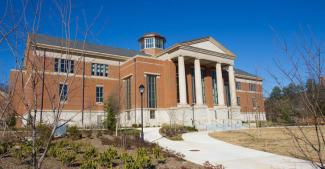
(207, 45)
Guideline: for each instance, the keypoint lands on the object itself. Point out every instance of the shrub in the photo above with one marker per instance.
(4, 148)
(107, 158)
(44, 133)
(143, 160)
(174, 132)
(22, 150)
(68, 157)
(90, 153)
(88, 164)
(54, 151)
(74, 133)
(11, 120)
(134, 125)
(128, 161)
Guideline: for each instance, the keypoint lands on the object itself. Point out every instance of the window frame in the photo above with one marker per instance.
(252, 87)
(99, 94)
(63, 65)
(238, 100)
(151, 81)
(99, 70)
(238, 85)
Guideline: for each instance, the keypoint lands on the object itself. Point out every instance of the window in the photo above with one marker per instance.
(238, 100)
(252, 87)
(254, 102)
(148, 42)
(151, 91)
(99, 94)
(153, 43)
(152, 114)
(64, 65)
(214, 87)
(63, 92)
(99, 69)
(127, 83)
(238, 85)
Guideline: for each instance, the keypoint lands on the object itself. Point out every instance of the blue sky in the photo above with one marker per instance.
(244, 27)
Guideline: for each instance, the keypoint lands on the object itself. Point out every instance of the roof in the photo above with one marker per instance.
(198, 40)
(80, 45)
(244, 73)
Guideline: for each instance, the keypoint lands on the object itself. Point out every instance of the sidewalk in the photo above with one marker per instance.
(216, 151)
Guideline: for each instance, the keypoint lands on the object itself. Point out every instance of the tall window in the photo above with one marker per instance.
(177, 85)
(63, 92)
(214, 87)
(238, 85)
(99, 69)
(128, 93)
(151, 91)
(99, 94)
(64, 65)
(252, 87)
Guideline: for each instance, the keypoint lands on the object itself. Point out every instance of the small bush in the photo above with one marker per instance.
(22, 151)
(68, 157)
(74, 133)
(4, 147)
(174, 132)
(89, 164)
(90, 153)
(143, 160)
(134, 125)
(106, 159)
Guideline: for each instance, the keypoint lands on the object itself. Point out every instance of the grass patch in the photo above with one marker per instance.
(274, 140)
(174, 132)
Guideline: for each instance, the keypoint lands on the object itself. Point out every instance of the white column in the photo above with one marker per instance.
(221, 97)
(232, 85)
(198, 82)
(181, 81)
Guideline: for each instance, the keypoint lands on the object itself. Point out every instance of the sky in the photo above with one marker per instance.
(247, 28)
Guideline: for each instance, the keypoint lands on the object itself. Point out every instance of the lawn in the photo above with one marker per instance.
(274, 140)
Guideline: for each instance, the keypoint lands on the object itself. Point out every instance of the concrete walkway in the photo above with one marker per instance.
(219, 152)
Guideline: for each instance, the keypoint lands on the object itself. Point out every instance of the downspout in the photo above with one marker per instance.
(43, 79)
(83, 91)
(135, 91)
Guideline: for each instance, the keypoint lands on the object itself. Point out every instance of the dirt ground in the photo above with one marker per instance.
(275, 140)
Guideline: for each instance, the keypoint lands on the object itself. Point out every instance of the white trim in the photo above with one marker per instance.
(40, 53)
(248, 81)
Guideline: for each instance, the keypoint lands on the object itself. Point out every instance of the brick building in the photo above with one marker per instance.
(192, 82)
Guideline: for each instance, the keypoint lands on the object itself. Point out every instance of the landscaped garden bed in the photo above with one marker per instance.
(174, 132)
(88, 149)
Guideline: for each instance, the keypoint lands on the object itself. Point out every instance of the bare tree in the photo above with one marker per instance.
(306, 64)
(31, 81)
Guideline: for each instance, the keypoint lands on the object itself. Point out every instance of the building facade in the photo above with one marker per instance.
(189, 83)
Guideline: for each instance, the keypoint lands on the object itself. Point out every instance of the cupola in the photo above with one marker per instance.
(152, 43)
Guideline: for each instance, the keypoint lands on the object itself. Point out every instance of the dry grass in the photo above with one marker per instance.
(274, 140)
